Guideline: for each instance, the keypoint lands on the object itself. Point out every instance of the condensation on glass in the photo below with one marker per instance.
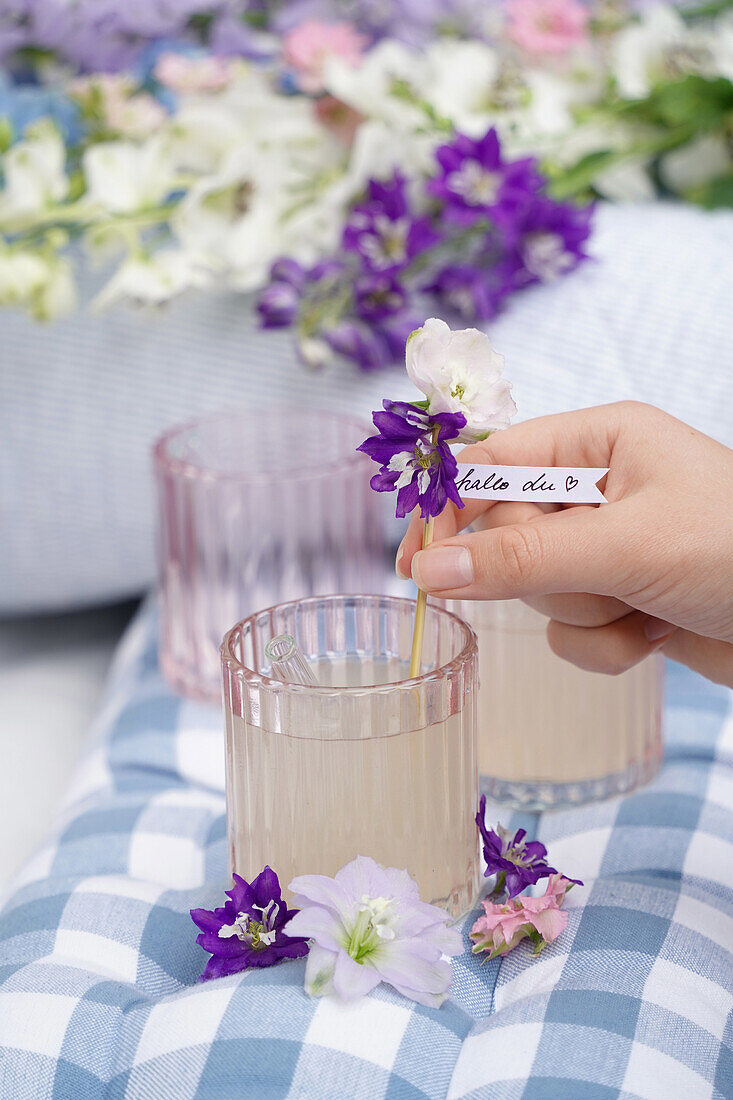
(257, 507)
(549, 733)
(368, 763)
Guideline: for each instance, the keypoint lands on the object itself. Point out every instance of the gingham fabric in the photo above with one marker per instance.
(81, 400)
(98, 959)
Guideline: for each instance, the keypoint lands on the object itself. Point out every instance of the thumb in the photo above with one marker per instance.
(577, 550)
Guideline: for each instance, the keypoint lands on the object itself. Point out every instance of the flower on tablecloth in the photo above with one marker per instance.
(368, 925)
(247, 931)
(538, 919)
(517, 863)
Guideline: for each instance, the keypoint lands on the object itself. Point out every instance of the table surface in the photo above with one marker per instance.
(98, 959)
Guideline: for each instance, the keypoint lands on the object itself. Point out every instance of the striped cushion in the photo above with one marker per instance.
(81, 400)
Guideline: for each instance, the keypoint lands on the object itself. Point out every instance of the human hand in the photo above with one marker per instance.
(650, 570)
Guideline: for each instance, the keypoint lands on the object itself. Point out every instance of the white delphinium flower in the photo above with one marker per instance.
(460, 84)
(721, 46)
(235, 219)
(371, 86)
(22, 274)
(200, 135)
(461, 372)
(154, 280)
(703, 159)
(40, 282)
(57, 296)
(123, 177)
(34, 170)
(658, 46)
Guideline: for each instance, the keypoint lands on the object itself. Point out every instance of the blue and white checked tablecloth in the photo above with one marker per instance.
(98, 959)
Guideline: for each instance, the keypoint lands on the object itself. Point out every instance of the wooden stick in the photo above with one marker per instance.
(422, 601)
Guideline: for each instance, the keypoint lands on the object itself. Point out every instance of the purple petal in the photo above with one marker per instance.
(206, 920)
(265, 887)
(227, 947)
(241, 895)
(218, 967)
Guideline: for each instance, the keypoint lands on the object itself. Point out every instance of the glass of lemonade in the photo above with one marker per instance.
(368, 763)
(552, 734)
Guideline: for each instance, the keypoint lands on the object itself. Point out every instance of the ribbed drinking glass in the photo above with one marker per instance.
(256, 507)
(368, 763)
(549, 733)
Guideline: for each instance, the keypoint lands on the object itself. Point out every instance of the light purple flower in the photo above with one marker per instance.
(367, 925)
(383, 231)
(248, 930)
(414, 457)
(475, 180)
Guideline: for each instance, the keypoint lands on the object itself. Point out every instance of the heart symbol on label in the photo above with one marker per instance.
(571, 483)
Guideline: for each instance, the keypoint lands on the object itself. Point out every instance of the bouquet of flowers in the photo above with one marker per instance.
(350, 163)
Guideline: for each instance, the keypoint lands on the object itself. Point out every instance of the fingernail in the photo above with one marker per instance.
(398, 567)
(443, 568)
(657, 629)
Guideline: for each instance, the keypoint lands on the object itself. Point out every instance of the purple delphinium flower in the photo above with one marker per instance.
(473, 292)
(248, 930)
(368, 926)
(278, 303)
(378, 296)
(547, 241)
(517, 863)
(383, 231)
(288, 270)
(362, 343)
(476, 180)
(414, 457)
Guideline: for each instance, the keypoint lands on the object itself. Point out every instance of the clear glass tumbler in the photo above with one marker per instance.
(256, 507)
(368, 763)
(551, 734)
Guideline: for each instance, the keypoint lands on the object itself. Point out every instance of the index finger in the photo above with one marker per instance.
(584, 437)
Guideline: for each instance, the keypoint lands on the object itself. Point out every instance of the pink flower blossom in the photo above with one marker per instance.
(540, 919)
(547, 26)
(112, 98)
(338, 117)
(307, 48)
(193, 74)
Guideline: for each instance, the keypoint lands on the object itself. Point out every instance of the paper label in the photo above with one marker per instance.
(552, 484)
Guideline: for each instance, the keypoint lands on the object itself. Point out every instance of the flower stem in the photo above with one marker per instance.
(422, 601)
(422, 597)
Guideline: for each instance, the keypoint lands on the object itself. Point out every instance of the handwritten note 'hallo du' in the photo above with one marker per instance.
(552, 484)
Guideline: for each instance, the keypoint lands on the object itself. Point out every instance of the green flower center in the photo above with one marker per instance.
(374, 924)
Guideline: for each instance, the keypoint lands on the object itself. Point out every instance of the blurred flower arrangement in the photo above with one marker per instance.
(348, 160)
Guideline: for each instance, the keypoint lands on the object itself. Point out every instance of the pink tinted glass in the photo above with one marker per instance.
(256, 507)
